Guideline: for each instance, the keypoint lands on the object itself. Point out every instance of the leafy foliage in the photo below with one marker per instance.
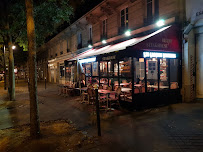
(48, 15)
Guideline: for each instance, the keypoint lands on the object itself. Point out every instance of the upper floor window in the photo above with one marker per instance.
(124, 18)
(149, 8)
(56, 54)
(104, 27)
(61, 52)
(67, 44)
(79, 40)
(90, 33)
(68, 50)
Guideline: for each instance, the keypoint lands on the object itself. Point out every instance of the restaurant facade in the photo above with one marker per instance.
(148, 67)
(135, 45)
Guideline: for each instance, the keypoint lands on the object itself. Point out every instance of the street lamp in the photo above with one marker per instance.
(13, 47)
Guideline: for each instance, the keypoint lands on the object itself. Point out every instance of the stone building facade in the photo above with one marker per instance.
(107, 21)
(193, 52)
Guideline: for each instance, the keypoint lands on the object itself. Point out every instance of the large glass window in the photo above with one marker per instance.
(125, 67)
(69, 72)
(103, 68)
(95, 69)
(111, 68)
(139, 70)
(164, 72)
(62, 71)
(115, 68)
(88, 69)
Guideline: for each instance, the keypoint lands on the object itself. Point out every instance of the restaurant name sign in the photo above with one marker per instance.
(109, 58)
(167, 40)
(158, 55)
(164, 45)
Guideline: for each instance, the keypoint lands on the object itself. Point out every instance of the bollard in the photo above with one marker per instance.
(45, 83)
(98, 113)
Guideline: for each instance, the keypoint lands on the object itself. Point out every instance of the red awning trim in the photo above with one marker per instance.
(164, 39)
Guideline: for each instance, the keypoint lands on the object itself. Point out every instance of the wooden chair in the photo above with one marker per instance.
(174, 85)
(136, 90)
(91, 95)
(114, 97)
(143, 89)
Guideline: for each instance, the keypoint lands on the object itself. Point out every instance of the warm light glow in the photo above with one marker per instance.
(127, 33)
(13, 47)
(141, 59)
(159, 55)
(104, 41)
(169, 55)
(87, 60)
(15, 70)
(89, 46)
(160, 23)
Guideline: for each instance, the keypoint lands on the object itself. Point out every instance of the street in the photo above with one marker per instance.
(177, 127)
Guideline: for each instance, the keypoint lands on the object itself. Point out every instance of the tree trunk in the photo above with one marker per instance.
(34, 114)
(11, 88)
(4, 51)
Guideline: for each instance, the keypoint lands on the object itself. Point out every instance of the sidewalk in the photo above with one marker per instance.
(174, 128)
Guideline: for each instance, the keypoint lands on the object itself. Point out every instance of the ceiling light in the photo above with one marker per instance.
(160, 23)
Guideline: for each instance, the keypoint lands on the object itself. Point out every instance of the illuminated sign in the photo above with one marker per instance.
(88, 60)
(159, 55)
(109, 58)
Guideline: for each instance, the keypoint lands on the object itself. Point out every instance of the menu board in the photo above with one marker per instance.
(152, 70)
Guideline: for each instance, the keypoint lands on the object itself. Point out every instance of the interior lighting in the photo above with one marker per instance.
(160, 23)
(159, 55)
(88, 60)
(104, 41)
(169, 55)
(127, 33)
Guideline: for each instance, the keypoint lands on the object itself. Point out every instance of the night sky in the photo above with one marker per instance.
(80, 7)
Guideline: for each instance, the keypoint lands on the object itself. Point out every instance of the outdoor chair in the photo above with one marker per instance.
(114, 97)
(174, 85)
(91, 95)
(136, 90)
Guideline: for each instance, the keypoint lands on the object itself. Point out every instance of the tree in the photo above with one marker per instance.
(34, 114)
(4, 19)
(48, 15)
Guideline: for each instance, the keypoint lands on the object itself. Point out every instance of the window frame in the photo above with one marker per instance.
(126, 17)
(104, 27)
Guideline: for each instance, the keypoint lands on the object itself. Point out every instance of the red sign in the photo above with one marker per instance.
(166, 40)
